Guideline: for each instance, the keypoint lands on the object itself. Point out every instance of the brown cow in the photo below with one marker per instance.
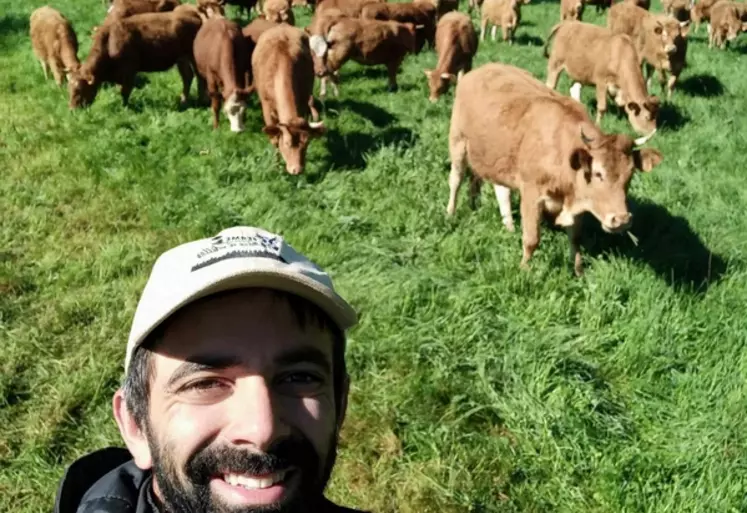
(367, 42)
(278, 11)
(701, 11)
(351, 8)
(516, 134)
(571, 10)
(54, 43)
(593, 55)
(255, 29)
(474, 4)
(503, 13)
(211, 8)
(443, 6)
(660, 40)
(222, 61)
(141, 43)
(422, 14)
(643, 4)
(600, 5)
(456, 45)
(125, 8)
(284, 80)
(725, 24)
(678, 9)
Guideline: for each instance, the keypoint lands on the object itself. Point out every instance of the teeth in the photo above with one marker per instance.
(254, 483)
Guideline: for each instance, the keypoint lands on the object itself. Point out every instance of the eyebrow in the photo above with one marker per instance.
(305, 355)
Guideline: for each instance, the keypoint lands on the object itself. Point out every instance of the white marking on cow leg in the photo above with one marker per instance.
(45, 69)
(576, 91)
(493, 31)
(234, 110)
(458, 154)
(460, 74)
(335, 88)
(503, 195)
(322, 87)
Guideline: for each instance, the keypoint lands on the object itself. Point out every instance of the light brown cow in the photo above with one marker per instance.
(141, 43)
(678, 9)
(725, 24)
(474, 4)
(222, 60)
(701, 12)
(660, 40)
(278, 11)
(593, 55)
(456, 45)
(54, 43)
(571, 10)
(125, 8)
(351, 8)
(421, 14)
(367, 42)
(501, 13)
(518, 135)
(284, 80)
(255, 29)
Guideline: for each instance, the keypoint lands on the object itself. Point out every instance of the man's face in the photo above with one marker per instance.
(242, 411)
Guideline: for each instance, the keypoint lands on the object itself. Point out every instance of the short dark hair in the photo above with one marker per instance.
(139, 376)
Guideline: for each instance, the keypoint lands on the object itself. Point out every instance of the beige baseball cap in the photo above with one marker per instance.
(236, 258)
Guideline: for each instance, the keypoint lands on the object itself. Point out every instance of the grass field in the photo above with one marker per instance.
(476, 386)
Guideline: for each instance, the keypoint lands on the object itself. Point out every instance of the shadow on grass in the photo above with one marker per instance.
(671, 118)
(12, 24)
(375, 114)
(347, 151)
(666, 243)
(527, 40)
(704, 86)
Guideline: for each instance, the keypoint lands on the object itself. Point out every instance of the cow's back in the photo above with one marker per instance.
(580, 46)
(626, 18)
(456, 32)
(378, 42)
(47, 28)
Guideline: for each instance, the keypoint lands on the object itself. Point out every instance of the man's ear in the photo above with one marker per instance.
(343, 406)
(133, 436)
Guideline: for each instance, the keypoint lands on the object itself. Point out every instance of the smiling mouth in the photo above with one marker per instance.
(251, 482)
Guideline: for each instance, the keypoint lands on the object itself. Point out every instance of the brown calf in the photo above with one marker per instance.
(278, 11)
(222, 60)
(518, 135)
(141, 43)
(420, 13)
(503, 13)
(679, 9)
(456, 45)
(660, 40)
(367, 42)
(54, 43)
(284, 80)
(571, 10)
(725, 24)
(593, 55)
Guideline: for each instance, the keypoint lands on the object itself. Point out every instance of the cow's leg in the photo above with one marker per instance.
(553, 72)
(503, 195)
(45, 68)
(576, 91)
(312, 109)
(475, 185)
(202, 93)
(57, 71)
(215, 101)
(458, 154)
(574, 237)
(126, 87)
(393, 69)
(493, 32)
(663, 81)
(185, 71)
(670, 85)
(601, 101)
(648, 73)
(710, 35)
(531, 215)
(323, 87)
(483, 28)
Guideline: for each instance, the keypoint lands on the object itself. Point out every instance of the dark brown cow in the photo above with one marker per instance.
(284, 80)
(593, 55)
(456, 45)
(141, 43)
(222, 59)
(421, 14)
(54, 43)
(515, 133)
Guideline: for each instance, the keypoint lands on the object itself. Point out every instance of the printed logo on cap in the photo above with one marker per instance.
(224, 247)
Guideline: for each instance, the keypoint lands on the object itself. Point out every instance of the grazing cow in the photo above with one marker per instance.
(141, 43)
(222, 60)
(278, 11)
(367, 42)
(726, 24)
(678, 9)
(54, 43)
(420, 13)
(443, 6)
(593, 55)
(571, 10)
(284, 80)
(503, 13)
(351, 8)
(125, 8)
(701, 12)
(660, 40)
(456, 45)
(516, 134)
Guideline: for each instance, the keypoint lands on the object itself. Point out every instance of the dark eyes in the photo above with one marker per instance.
(203, 385)
(598, 176)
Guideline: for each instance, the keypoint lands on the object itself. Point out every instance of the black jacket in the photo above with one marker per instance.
(108, 481)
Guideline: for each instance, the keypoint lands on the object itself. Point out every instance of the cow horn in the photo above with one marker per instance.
(316, 124)
(587, 141)
(643, 139)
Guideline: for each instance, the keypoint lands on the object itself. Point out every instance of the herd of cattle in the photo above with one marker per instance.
(513, 130)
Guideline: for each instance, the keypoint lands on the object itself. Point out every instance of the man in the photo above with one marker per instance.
(235, 387)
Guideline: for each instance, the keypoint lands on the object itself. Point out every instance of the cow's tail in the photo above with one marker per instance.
(549, 38)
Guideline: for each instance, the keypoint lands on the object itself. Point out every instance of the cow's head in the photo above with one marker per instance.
(667, 32)
(642, 116)
(82, 89)
(211, 9)
(438, 83)
(732, 26)
(235, 107)
(292, 140)
(604, 166)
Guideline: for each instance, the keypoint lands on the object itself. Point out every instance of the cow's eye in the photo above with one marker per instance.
(598, 175)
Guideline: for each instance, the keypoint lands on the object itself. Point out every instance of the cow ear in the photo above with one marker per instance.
(273, 131)
(581, 159)
(647, 159)
(633, 106)
(684, 28)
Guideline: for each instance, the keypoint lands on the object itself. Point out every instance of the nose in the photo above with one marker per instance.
(619, 221)
(670, 48)
(294, 170)
(254, 419)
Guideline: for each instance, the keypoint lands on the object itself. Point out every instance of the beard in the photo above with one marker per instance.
(187, 489)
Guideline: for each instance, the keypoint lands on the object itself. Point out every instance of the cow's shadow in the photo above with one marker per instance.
(704, 86)
(348, 150)
(375, 114)
(670, 117)
(666, 243)
(11, 24)
(527, 40)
